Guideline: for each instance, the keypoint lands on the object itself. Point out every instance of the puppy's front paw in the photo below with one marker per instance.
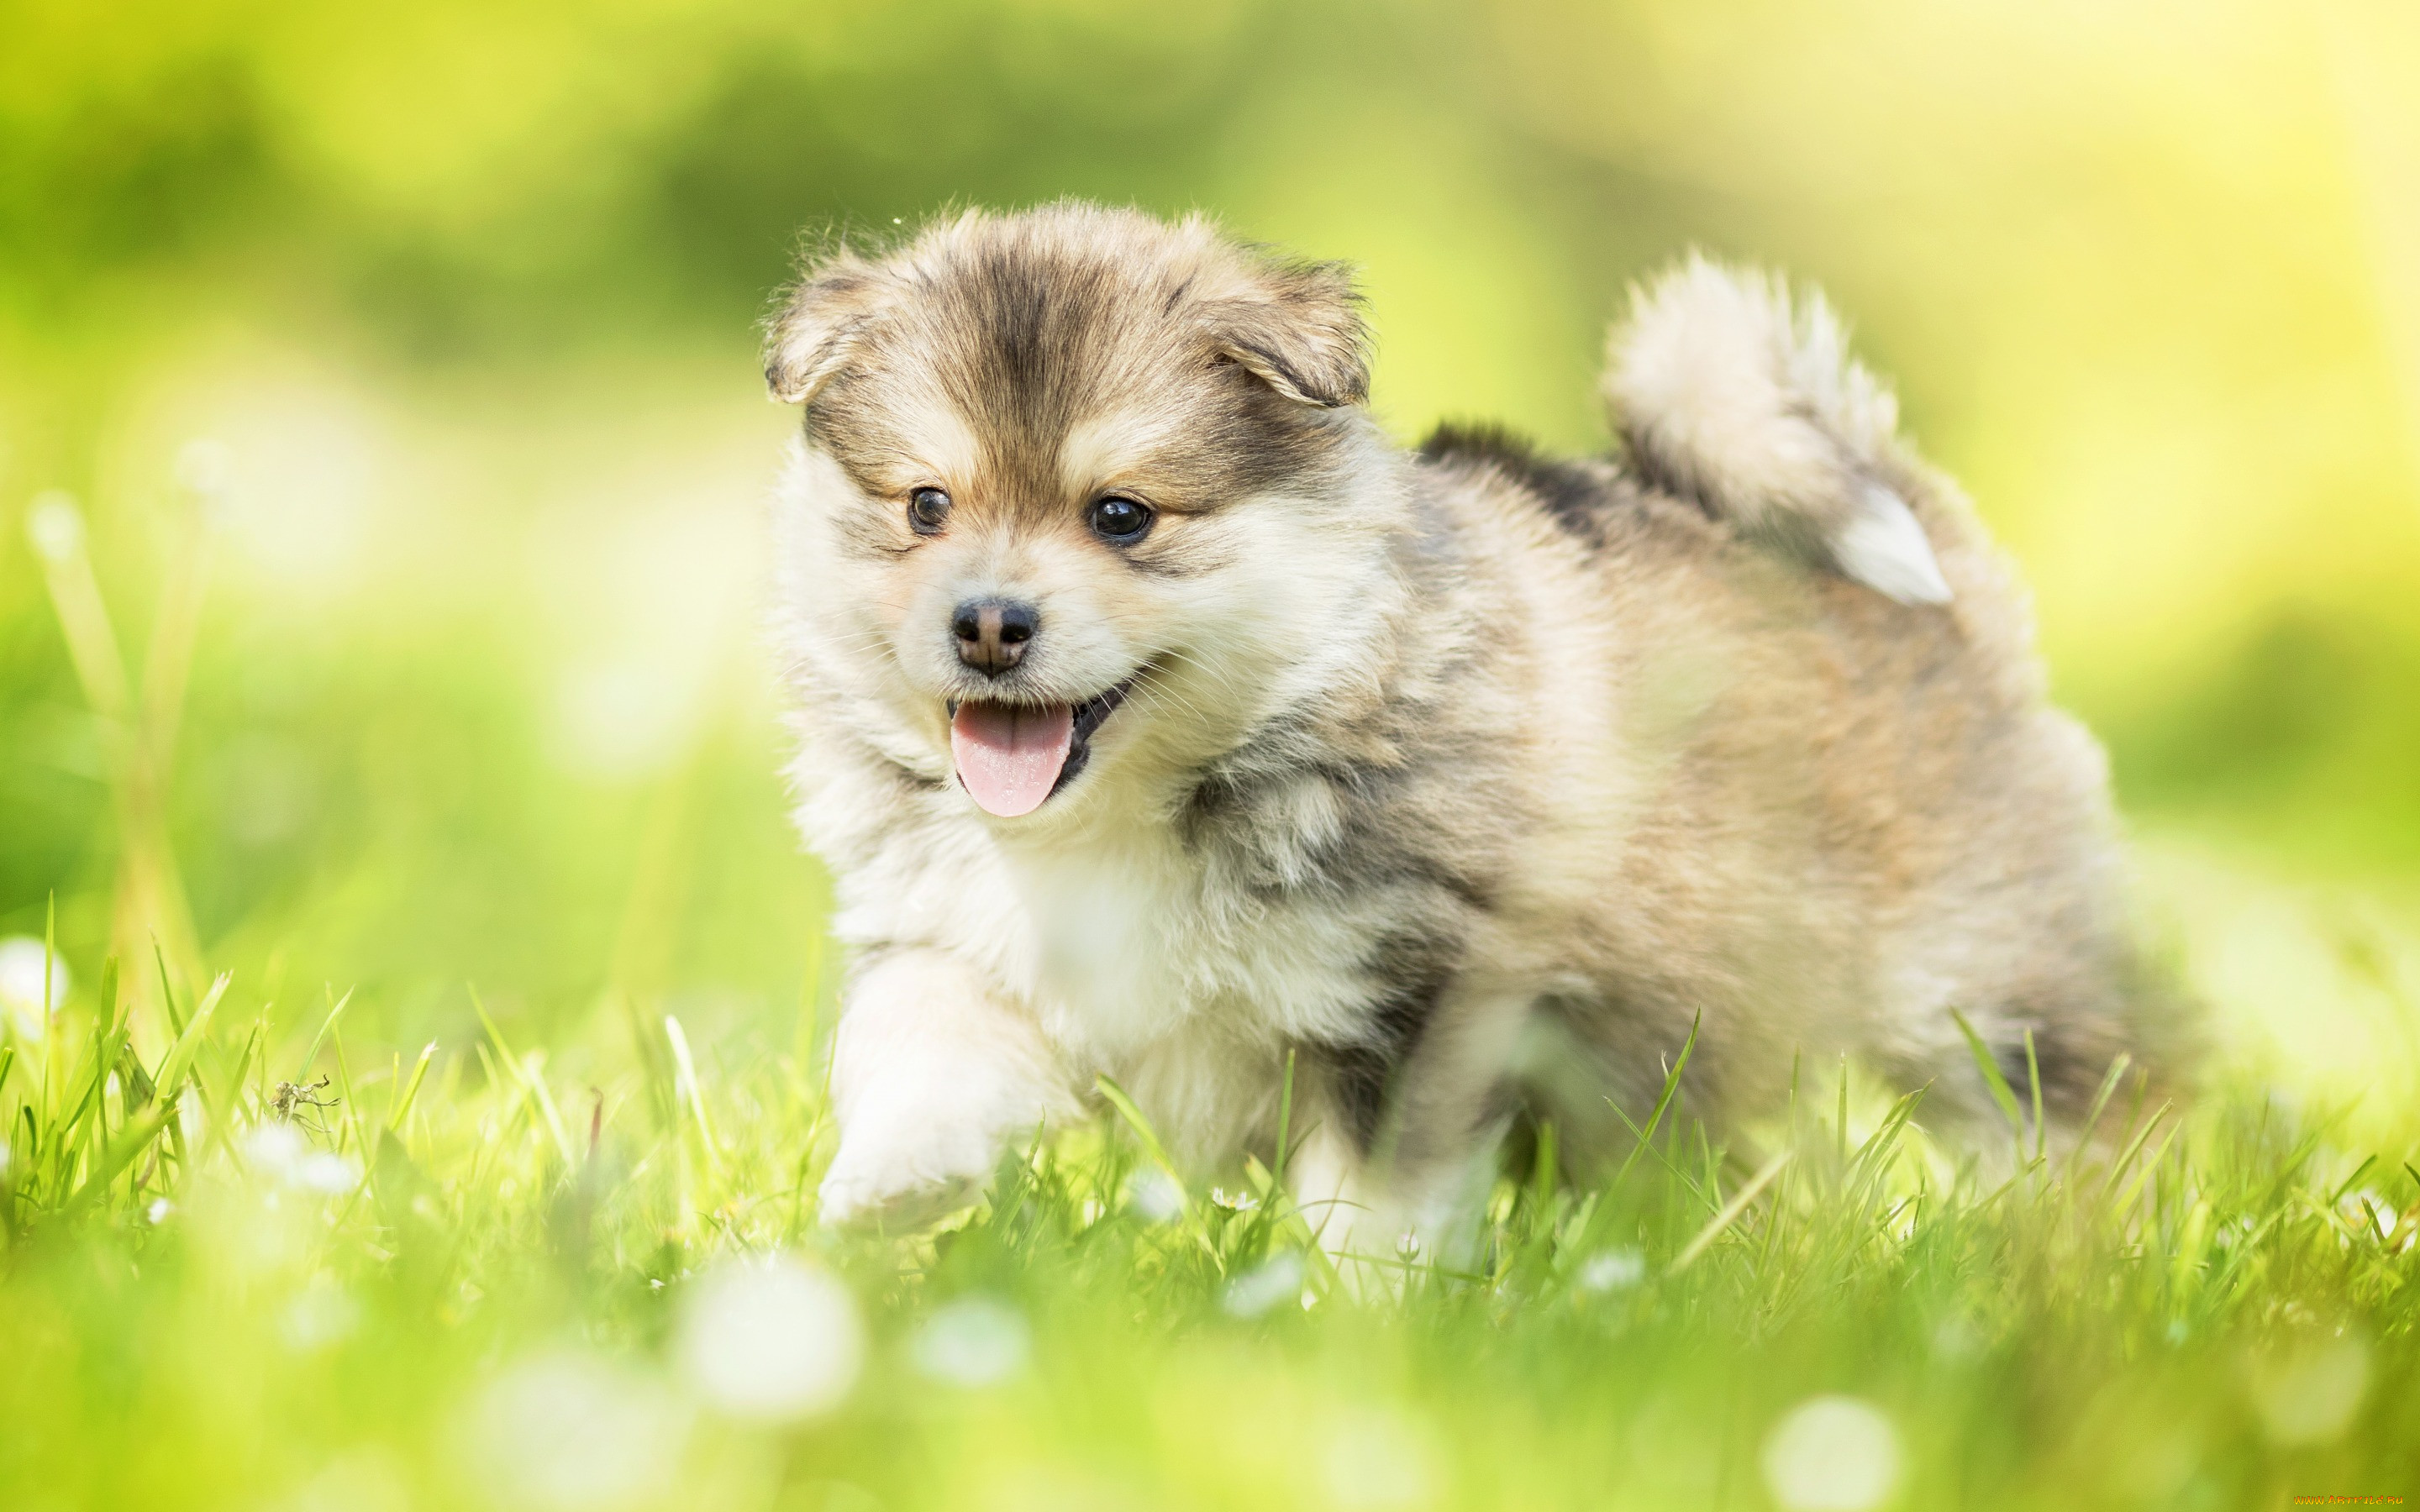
(867, 1198)
(904, 1177)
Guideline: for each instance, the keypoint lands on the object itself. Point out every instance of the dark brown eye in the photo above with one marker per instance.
(927, 510)
(1119, 519)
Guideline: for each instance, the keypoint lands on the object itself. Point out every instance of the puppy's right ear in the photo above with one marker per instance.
(820, 326)
(1297, 328)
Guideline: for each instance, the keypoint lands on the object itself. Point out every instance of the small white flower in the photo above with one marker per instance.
(1156, 1195)
(159, 1211)
(567, 1432)
(771, 1340)
(21, 959)
(1832, 1454)
(1614, 1269)
(1233, 1201)
(973, 1341)
(1276, 1280)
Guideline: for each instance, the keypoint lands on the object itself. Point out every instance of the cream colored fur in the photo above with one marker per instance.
(1473, 779)
(1760, 413)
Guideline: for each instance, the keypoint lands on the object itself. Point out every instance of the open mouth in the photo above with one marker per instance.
(1012, 757)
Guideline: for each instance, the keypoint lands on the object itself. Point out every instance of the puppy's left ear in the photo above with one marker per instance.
(1299, 331)
(821, 324)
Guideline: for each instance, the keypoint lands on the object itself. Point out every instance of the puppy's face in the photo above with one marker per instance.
(1082, 489)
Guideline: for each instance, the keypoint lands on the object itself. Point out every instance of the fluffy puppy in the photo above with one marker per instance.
(1158, 715)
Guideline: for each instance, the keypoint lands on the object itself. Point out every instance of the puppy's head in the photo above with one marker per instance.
(1084, 497)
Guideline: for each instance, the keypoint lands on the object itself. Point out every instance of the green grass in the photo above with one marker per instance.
(472, 1277)
(424, 1244)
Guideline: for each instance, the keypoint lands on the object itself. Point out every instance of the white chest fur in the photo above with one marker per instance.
(1136, 949)
(1115, 922)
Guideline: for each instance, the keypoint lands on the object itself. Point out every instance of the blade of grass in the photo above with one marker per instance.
(2241, 1249)
(1663, 1101)
(149, 895)
(233, 1089)
(336, 1012)
(1867, 1162)
(1729, 1213)
(1158, 1152)
(1143, 1130)
(50, 964)
(1666, 1161)
(349, 1121)
(2100, 1105)
(179, 1058)
(55, 524)
(2132, 1150)
(2337, 1196)
(531, 1083)
(1840, 1124)
(2033, 1079)
(1285, 1121)
(1994, 1082)
(132, 1141)
(107, 1046)
(167, 992)
(93, 1078)
(687, 1069)
(2126, 1199)
(402, 1108)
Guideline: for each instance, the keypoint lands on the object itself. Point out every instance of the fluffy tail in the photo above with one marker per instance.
(1726, 394)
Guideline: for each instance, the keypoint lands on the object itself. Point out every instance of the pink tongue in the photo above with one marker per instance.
(1009, 757)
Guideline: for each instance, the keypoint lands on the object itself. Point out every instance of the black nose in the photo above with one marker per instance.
(993, 633)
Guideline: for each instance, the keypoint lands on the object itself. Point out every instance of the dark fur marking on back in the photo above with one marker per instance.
(1571, 497)
(1671, 485)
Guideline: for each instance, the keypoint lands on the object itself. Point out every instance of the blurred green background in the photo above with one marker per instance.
(400, 365)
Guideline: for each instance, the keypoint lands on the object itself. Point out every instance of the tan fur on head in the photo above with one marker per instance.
(1726, 394)
(1294, 325)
